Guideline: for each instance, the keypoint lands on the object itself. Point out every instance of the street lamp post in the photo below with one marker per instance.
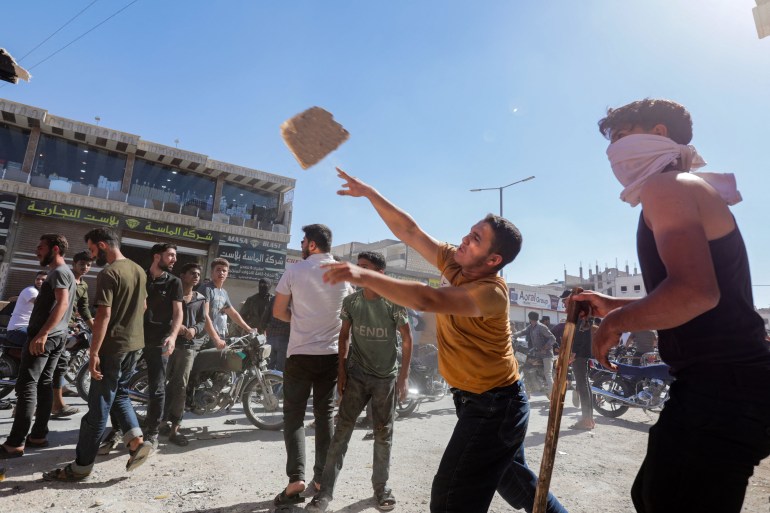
(501, 190)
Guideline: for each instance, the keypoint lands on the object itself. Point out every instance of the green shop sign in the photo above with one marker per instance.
(87, 215)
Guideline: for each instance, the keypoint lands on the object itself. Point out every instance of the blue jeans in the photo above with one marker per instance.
(360, 388)
(486, 453)
(34, 392)
(156, 387)
(303, 373)
(279, 344)
(108, 393)
(704, 447)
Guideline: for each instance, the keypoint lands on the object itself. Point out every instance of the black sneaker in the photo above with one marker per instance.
(110, 443)
(165, 429)
(152, 440)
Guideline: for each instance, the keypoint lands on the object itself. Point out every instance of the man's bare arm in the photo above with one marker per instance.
(281, 307)
(233, 314)
(400, 223)
(444, 300)
(62, 308)
(344, 347)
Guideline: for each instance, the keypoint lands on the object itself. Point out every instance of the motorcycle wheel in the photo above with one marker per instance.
(407, 407)
(264, 412)
(608, 407)
(83, 381)
(9, 369)
(138, 386)
(76, 362)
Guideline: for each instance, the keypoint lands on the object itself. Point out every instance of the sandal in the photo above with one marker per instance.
(178, 439)
(580, 426)
(138, 456)
(65, 474)
(385, 499)
(282, 499)
(318, 505)
(39, 445)
(5, 454)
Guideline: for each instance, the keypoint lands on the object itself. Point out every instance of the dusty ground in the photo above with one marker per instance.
(243, 471)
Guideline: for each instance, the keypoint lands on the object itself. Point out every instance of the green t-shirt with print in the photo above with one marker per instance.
(374, 327)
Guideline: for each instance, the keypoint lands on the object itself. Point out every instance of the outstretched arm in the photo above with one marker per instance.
(411, 294)
(400, 223)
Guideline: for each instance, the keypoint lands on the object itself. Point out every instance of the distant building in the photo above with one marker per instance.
(402, 261)
(66, 176)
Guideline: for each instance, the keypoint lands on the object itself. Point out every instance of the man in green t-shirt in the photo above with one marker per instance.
(368, 368)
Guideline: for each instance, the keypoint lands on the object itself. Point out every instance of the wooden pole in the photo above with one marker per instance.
(557, 404)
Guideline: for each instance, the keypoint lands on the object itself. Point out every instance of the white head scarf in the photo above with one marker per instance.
(636, 157)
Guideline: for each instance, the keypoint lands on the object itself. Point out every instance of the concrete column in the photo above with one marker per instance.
(129, 173)
(29, 156)
(218, 193)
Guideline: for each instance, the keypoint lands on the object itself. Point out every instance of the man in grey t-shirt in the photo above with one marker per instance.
(47, 334)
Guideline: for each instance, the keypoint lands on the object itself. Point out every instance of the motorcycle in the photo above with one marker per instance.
(530, 370)
(425, 382)
(643, 386)
(76, 349)
(220, 378)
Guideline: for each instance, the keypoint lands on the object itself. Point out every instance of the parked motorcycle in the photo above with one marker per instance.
(76, 349)
(531, 371)
(220, 378)
(631, 386)
(425, 382)
(10, 358)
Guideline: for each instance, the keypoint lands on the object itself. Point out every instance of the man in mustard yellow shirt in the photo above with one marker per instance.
(485, 453)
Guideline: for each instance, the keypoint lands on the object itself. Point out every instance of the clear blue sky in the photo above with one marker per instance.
(439, 96)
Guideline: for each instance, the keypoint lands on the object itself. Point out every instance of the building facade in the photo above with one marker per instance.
(65, 176)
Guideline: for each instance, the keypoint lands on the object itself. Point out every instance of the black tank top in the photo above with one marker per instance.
(730, 335)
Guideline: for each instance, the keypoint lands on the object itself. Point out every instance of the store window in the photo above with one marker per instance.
(248, 204)
(68, 166)
(170, 189)
(13, 146)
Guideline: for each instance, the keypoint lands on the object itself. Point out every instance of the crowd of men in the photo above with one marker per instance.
(699, 298)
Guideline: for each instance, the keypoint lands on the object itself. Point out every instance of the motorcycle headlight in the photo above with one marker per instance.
(264, 351)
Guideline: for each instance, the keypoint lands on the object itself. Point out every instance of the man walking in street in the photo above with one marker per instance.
(162, 321)
(367, 372)
(81, 264)
(46, 336)
(121, 293)
(312, 361)
(220, 307)
(180, 362)
(486, 450)
(253, 310)
(715, 427)
(541, 342)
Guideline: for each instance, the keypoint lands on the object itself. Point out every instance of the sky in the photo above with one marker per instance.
(439, 96)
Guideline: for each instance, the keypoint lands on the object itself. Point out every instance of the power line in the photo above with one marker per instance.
(85, 33)
(57, 30)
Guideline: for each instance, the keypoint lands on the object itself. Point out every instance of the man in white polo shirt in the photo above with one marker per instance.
(313, 308)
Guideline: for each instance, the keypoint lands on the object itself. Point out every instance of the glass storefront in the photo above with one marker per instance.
(170, 189)
(249, 204)
(13, 145)
(67, 166)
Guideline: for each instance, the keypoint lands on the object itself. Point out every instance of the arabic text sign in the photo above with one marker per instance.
(252, 259)
(72, 213)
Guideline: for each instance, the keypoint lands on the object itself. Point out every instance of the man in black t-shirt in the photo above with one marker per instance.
(162, 321)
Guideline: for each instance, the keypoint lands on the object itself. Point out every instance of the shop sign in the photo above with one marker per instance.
(532, 299)
(252, 259)
(87, 215)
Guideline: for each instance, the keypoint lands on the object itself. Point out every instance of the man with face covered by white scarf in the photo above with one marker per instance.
(716, 425)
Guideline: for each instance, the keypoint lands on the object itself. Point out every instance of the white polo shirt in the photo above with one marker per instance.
(315, 306)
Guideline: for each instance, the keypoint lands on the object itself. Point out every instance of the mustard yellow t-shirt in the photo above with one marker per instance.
(475, 353)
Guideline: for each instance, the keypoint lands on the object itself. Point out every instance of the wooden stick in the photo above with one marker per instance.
(557, 405)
